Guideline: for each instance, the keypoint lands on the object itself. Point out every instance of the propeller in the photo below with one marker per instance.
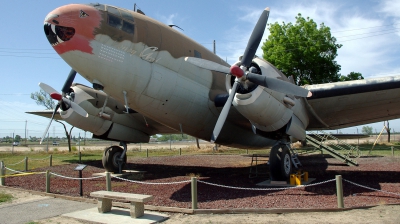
(241, 75)
(63, 102)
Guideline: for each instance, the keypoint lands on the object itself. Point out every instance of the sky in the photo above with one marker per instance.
(368, 29)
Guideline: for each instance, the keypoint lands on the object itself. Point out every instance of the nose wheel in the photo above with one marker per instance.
(114, 158)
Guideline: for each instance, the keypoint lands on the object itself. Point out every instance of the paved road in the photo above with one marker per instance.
(39, 209)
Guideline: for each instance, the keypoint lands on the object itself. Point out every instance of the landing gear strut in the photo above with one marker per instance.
(114, 158)
(282, 161)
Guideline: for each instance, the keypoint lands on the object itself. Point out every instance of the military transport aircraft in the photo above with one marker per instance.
(149, 70)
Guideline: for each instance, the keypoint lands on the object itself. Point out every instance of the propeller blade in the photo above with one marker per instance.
(78, 109)
(48, 126)
(278, 85)
(48, 89)
(68, 82)
(223, 114)
(210, 65)
(255, 38)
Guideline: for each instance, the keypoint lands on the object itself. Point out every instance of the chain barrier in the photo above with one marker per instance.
(76, 178)
(23, 160)
(265, 189)
(370, 188)
(48, 157)
(151, 183)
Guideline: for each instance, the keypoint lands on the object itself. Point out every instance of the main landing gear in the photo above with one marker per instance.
(114, 158)
(283, 161)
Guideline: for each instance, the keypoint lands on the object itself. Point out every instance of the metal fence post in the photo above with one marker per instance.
(147, 152)
(47, 181)
(180, 151)
(80, 157)
(108, 181)
(2, 174)
(51, 160)
(392, 151)
(26, 163)
(339, 191)
(194, 193)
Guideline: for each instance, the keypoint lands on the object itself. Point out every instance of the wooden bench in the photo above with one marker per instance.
(104, 201)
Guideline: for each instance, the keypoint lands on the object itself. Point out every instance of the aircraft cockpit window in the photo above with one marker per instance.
(128, 27)
(126, 15)
(114, 21)
(113, 10)
(97, 6)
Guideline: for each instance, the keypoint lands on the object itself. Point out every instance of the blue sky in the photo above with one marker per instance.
(369, 31)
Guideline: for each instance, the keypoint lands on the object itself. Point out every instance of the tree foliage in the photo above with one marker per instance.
(304, 51)
(43, 99)
(352, 76)
(367, 130)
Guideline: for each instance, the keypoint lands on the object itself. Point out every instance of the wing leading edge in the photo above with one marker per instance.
(351, 103)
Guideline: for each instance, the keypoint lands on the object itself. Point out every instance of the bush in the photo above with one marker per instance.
(74, 149)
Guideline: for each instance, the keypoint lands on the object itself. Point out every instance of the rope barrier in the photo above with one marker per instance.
(75, 178)
(41, 159)
(21, 174)
(15, 171)
(266, 189)
(151, 183)
(370, 188)
(16, 163)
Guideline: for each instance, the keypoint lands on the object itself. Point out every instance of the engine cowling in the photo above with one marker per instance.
(107, 123)
(269, 110)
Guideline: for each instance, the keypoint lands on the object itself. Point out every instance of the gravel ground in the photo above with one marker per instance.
(233, 170)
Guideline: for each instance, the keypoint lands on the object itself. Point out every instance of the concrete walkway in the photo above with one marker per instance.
(39, 209)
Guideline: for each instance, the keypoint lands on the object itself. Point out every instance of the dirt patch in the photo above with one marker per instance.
(380, 173)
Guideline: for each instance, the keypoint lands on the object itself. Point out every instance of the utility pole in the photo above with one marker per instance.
(134, 7)
(26, 123)
(215, 50)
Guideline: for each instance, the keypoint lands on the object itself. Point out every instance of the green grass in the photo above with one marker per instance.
(4, 197)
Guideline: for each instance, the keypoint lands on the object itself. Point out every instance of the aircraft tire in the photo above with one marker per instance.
(280, 163)
(110, 156)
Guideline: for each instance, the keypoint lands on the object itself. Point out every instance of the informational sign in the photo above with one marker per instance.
(80, 167)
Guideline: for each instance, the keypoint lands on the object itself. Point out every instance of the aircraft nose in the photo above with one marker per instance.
(70, 26)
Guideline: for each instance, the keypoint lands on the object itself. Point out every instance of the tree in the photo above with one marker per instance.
(367, 130)
(304, 51)
(352, 76)
(17, 138)
(44, 99)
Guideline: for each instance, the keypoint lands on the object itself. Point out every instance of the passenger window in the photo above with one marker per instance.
(128, 27)
(114, 21)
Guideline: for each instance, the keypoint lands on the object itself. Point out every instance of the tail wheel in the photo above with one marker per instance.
(111, 159)
(280, 163)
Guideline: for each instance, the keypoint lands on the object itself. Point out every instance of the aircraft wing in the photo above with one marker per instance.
(156, 127)
(345, 104)
(45, 113)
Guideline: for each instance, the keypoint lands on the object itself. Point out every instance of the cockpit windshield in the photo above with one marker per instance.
(120, 19)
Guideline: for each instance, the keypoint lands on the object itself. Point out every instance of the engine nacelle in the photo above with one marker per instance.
(269, 110)
(104, 123)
